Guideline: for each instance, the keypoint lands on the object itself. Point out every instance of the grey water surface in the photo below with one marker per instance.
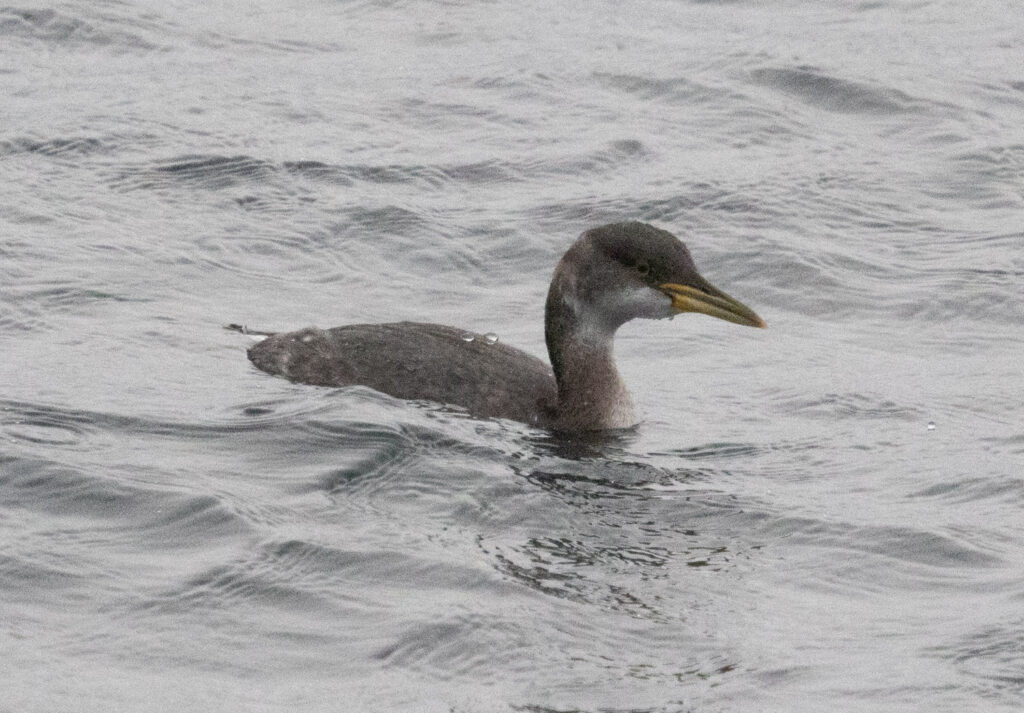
(823, 516)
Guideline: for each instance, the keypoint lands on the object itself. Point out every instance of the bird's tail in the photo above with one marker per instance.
(242, 329)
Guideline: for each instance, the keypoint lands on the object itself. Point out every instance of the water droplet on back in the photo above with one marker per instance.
(491, 338)
(468, 336)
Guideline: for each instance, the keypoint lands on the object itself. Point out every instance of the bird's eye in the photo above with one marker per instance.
(643, 268)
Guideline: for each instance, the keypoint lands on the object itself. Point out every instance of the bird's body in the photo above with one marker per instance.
(609, 276)
(488, 378)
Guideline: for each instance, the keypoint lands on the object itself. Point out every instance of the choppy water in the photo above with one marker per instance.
(822, 516)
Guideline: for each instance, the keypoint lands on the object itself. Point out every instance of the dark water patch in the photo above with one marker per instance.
(58, 27)
(312, 562)
(39, 425)
(918, 557)
(989, 178)
(219, 173)
(451, 648)
(950, 295)
(854, 406)
(817, 88)
(611, 158)
(188, 522)
(318, 171)
(423, 176)
(519, 84)
(677, 90)
(713, 451)
(993, 660)
(73, 147)
(79, 422)
(1000, 243)
(966, 489)
(17, 319)
(997, 277)
(26, 575)
(253, 184)
(203, 172)
(236, 42)
(305, 420)
(481, 172)
(688, 200)
(457, 645)
(341, 570)
(255, 203)
(593, 476)
(251, 583)
(215, 172)
(498, 82)
(371, 452)
(576, 484)
(22, 215)
(440, 39)
(290, 254)
(40, 304)
(436, 115)
(43, 429)
(1010, 444)
(1004, 161)
(91, 503)
(612, 561)
(522, 565)
(739, 205)
(330, 579)
(360, 223)
(486, 172)
(675, 209)
(307, 47)
(321, 420)
(367, 443)
(575, 552)
(823, 282)
(621, 528)
(588, 446)
(365, 241)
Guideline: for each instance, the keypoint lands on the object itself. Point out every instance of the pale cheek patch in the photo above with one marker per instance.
(639, 302)
(596, 322)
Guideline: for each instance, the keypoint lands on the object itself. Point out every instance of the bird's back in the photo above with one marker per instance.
(414, 360)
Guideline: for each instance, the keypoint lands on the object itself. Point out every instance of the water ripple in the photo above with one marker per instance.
(832, 93)
(98, 503)
(60, 28)
(217, 172)
(993, 658)
(75, 146)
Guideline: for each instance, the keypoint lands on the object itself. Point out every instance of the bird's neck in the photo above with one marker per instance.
(591, 394)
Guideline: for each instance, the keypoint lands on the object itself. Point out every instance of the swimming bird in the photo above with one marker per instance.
(609, 275)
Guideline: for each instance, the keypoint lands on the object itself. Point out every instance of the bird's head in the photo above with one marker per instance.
(625, 271)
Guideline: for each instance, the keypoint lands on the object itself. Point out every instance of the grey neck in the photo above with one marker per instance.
(591, 394)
